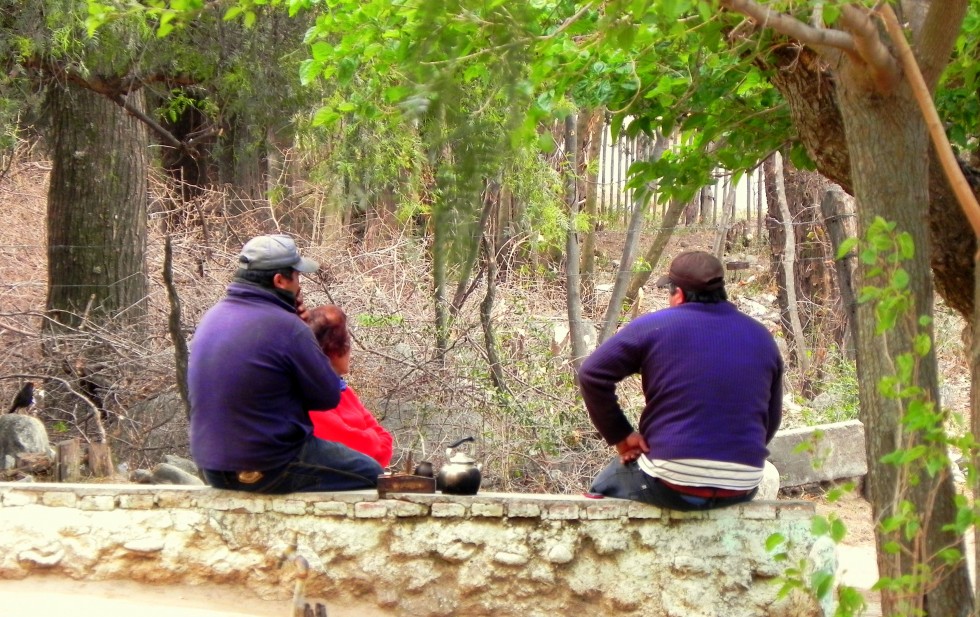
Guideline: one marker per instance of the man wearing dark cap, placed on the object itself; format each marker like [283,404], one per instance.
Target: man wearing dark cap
[255,372]
[712,381]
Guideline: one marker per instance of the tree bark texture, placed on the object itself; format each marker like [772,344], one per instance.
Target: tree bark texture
[814,282]
[242,166]
[838,216]
[97,208]
[886,140]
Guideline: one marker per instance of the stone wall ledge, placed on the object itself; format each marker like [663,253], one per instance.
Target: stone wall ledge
[366,504]
[419,555]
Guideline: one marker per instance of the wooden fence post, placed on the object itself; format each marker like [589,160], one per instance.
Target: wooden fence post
[99,460]
[69,460]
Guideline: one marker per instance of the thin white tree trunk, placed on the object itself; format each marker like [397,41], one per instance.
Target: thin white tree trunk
[576,331]
[789,266]
[727,208]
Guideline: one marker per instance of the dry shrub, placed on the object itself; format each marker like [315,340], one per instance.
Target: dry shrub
[534,437]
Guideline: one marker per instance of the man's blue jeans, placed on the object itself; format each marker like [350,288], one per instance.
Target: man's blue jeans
[320,466]
[630,482]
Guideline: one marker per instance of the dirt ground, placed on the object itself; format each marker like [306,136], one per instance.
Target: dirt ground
[50,596]
[857,564]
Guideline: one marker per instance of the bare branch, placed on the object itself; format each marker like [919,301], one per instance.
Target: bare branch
[164,134]
[936,38]
[884,69]
[792,27]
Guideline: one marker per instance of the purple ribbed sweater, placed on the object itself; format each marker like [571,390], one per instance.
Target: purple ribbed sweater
[711,377]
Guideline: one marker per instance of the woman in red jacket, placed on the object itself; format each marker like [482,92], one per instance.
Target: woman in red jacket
[349,423]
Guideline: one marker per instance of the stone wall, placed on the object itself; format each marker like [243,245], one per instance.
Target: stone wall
[420,555]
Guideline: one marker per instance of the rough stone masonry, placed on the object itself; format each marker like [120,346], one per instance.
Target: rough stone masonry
[507,555]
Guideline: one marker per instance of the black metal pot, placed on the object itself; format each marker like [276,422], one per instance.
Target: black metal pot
[461,475]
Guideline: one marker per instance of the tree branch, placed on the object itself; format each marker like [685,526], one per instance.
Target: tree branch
[964,194]
[166,135]
[116,89]
[936,38]
[792,27]
[884,69]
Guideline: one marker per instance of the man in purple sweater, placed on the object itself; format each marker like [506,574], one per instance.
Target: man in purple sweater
[254,374]
[712,381]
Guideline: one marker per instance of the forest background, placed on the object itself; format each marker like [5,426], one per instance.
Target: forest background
[443,163]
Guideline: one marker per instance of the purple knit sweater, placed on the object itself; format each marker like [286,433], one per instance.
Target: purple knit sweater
[255,372]
[711,377]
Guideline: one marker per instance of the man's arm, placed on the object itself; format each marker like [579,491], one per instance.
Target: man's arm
[317,380]
[775,403]
[610,363]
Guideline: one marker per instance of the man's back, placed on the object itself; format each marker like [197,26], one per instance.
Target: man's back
[255,371]
[711,380]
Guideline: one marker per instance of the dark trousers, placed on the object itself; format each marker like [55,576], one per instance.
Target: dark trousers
[630,482]
[320,466]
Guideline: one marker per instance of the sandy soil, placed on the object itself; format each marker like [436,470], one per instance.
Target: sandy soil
[857,562]
[52,596]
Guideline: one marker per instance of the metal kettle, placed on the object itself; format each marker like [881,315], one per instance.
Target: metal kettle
[461,475]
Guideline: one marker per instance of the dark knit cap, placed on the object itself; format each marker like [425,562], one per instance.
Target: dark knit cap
[694,271]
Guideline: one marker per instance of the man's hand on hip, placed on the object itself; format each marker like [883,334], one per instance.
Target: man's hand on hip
[632,447]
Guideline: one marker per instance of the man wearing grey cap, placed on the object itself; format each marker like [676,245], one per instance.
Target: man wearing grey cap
[255,372]
[712,382]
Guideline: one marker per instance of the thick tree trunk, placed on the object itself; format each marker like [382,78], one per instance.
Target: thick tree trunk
[886,139]
[808,85]
[242,168]
[97,203]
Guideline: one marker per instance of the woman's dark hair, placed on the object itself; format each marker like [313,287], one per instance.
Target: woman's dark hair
[701,297]
[329,325]
[263,278]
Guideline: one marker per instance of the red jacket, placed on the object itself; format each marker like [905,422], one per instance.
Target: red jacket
[352,425]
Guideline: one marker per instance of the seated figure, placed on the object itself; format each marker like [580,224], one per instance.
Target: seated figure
[255,372]
[349,423]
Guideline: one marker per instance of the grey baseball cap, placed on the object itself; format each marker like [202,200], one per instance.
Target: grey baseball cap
[274,252]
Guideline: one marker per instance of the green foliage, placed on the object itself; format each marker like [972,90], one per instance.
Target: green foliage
[375,321]
[956,97]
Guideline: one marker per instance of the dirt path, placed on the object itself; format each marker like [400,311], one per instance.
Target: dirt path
[43,596]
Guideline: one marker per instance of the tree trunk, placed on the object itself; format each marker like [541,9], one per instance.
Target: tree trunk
[727,211]
[838,217]
[572,286]
[621,286]
[464,286]
[486,314]
[887,142]
[97,209]
[590,126]
[974,355]
[809,85]
[656,250]
[242,167]
[789,268]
